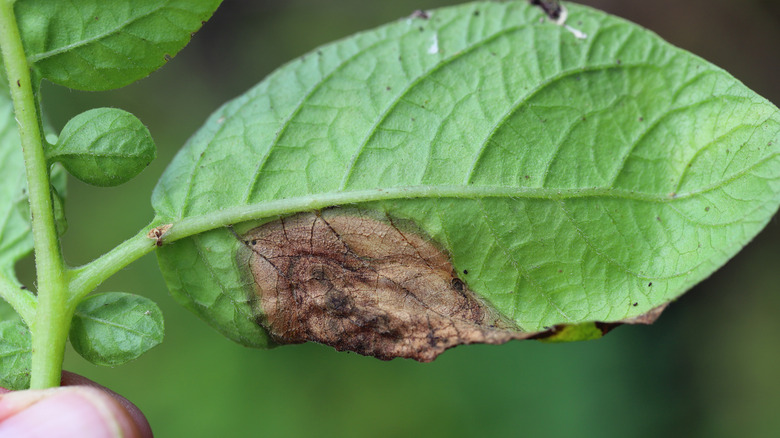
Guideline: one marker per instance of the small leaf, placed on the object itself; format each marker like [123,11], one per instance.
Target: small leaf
[99,45]
[104,147]
[113,328]
[571,180]
[15,355]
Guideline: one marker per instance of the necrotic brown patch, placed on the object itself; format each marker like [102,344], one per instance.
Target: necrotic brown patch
[360,284]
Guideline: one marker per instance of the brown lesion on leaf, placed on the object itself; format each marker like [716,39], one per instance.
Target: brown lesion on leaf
[363,284]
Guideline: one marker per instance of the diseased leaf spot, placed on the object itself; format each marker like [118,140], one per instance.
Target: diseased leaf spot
[362,284]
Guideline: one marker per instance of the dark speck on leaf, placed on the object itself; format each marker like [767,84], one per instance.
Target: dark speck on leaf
[465,272]
[527,177]
[421,29]
[476,13]
[387,88]
[649,284]
[619,62]
[641,119]
[636,304]
[658,218]
[18,83]
[420,14]
[560,271]
[97,18]
[706,209]
[167,57]
[458,285]
[550,7]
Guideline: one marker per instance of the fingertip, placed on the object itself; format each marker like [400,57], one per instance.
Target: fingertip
[81,411]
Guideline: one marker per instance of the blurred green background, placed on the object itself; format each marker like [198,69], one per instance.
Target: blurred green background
[709,367]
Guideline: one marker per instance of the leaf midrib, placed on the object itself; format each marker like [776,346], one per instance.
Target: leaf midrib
[113,324]
[186,226]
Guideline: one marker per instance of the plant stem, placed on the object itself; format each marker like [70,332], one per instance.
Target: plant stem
[86,278]
[52,319]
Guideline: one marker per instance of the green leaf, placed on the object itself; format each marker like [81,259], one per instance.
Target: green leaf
[113,328]
[104,147]
[15,355]
[99,45]
[574,180]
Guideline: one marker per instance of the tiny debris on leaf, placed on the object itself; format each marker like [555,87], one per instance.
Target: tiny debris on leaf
[157,233]
[419,13]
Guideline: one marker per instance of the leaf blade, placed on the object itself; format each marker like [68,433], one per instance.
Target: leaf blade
[97,46]
[585,167]
[15,355]
[114,328]
[104,147]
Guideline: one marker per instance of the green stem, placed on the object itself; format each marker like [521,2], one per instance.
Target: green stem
[52,320]
[86,278]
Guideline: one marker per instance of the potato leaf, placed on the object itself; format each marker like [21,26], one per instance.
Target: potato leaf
[570,179]
[113,328]
[104,147]
[15,355]
[101,45]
